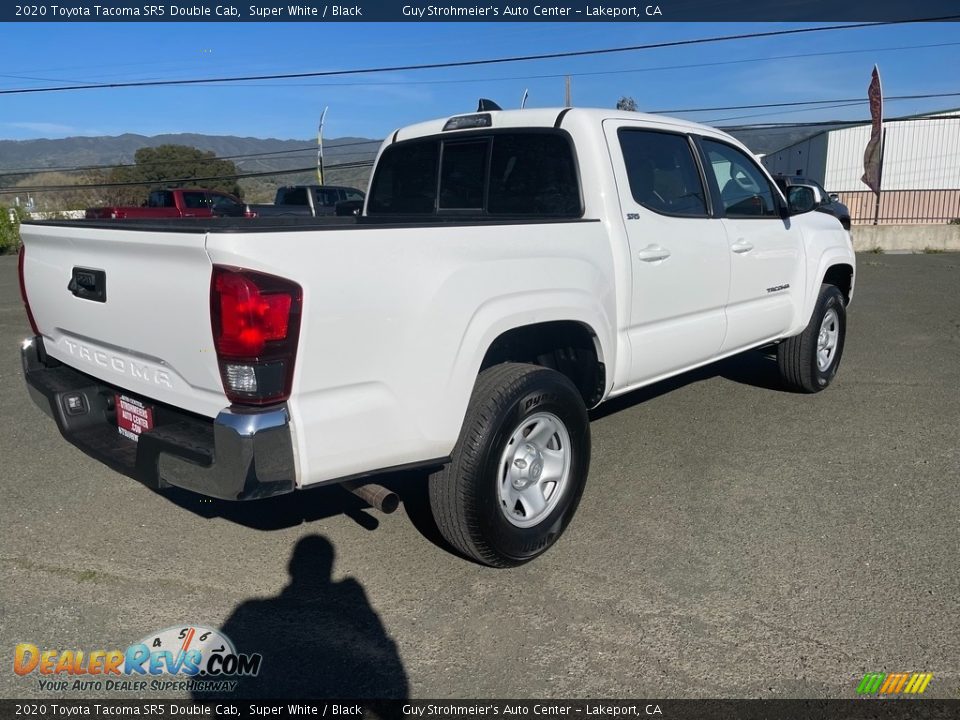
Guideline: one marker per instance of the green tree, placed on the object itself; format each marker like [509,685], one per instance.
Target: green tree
[627,103]
[159,166]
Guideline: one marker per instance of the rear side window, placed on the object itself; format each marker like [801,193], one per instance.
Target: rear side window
[406,180]
[509,173]
[160,199]
[662,172]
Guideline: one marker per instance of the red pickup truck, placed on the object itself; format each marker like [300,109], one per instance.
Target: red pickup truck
[177,203]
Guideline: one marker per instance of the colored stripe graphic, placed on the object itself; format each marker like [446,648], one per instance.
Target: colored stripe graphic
[894,683]
[870,683]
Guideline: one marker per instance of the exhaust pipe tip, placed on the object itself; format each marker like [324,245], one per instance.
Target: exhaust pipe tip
[377,496]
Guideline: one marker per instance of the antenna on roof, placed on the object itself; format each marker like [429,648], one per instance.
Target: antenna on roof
[485,105]
[523,100]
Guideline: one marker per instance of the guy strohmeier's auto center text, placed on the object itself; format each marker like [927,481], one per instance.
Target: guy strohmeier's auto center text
[306,11]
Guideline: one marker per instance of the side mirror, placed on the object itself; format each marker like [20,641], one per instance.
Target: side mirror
[834,197]
[801,199]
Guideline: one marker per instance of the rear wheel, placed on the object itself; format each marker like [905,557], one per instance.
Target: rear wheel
[809,361]
[518,469]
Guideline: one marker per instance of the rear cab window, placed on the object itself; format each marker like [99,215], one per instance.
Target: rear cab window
[326,197]
[292,196]
[529,173]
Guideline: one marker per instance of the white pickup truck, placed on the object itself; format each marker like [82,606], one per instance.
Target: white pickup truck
[511,269]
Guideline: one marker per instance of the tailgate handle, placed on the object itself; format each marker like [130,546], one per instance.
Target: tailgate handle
[88,284]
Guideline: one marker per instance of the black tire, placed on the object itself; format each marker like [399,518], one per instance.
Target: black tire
[465,495]
[797,356]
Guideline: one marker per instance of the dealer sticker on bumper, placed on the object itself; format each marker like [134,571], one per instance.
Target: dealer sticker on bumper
[133,417]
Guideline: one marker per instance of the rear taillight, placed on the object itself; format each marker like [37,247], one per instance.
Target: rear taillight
[256,326]
[23,290]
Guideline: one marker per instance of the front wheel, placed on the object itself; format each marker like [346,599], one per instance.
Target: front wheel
[809,361]
[519,467]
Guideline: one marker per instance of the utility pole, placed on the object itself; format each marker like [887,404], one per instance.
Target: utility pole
[567,99]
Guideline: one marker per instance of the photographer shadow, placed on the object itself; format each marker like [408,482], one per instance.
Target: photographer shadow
[318,638]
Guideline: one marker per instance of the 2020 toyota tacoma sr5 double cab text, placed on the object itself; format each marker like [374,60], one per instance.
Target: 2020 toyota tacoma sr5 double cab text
[510,270]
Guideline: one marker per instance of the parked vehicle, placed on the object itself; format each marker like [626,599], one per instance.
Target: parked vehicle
[828,203]
[309,200]
[512,269]
[175,203]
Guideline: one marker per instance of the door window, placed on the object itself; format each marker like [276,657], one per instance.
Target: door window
[662,172]
[745,191]
[194,200]
[225,205]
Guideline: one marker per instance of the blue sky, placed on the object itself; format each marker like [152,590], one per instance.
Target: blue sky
[373,105]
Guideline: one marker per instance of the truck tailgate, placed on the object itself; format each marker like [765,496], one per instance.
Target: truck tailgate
[150,334]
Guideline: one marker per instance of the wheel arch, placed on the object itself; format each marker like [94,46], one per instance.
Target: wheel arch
[570,347]
[840,275]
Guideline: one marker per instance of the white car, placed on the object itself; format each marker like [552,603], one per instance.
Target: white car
[511,269]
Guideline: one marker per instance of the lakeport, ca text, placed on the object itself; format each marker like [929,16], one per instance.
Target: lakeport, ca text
[307,11]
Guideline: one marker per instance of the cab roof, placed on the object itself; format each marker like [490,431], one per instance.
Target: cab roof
[548,118]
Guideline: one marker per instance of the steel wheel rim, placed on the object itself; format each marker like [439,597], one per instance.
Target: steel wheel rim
[828,339]
[534,469]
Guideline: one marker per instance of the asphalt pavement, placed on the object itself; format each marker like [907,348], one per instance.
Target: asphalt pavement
[734,540]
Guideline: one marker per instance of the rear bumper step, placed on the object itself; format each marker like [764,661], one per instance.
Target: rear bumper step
[240,455]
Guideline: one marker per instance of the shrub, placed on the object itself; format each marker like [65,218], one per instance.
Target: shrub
[10,229]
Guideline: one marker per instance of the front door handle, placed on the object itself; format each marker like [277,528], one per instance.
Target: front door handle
[742,246]
[653,253]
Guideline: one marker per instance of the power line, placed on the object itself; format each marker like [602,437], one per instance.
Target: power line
[11,172]
[553,76]
[803,102]
[474,63]
[819,105]
[839,123]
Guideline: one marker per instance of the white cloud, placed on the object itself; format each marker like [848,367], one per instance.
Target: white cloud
[44,127]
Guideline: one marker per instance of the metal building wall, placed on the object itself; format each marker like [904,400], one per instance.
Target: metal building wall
[918,155]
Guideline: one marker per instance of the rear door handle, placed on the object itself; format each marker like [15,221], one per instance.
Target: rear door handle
[653,253]
[742,246]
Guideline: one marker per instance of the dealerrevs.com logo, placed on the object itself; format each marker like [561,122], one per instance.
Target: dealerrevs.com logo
[191,658]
